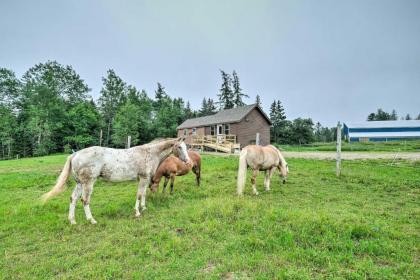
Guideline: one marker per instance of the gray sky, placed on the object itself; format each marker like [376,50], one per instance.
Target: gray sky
[328,60]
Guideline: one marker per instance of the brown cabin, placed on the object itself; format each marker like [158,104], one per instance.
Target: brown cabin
[227,130]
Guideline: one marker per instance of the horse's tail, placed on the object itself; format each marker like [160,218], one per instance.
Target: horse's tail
[242,171]
[61,181]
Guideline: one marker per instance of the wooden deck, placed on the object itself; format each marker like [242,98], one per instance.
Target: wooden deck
[219,143]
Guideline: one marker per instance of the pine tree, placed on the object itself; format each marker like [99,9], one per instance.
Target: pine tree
[160,96]
[203,110]
[280,111]
[211,107]
[418,117]
[113,95]
[408,117]
[237,91]
[258,100]
[394,115]
[226,98]
[189,113]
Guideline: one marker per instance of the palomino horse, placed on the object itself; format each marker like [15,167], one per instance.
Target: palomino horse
[114,165]
[260,158]
[172,167]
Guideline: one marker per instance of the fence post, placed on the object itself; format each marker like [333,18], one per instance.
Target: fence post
[100,138]
[128,141]
[338,164]
[257,139]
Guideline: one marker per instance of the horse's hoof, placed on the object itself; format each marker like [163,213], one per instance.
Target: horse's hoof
[256,193]
[143,208]
[137,215]
[93,222]
[73,222]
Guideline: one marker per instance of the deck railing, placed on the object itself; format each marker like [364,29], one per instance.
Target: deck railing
[223,139]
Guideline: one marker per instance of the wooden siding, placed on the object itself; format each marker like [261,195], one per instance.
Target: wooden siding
[199,132]
[247,129]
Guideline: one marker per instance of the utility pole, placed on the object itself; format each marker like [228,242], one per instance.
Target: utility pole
[338,164]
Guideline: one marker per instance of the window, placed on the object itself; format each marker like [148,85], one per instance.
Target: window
[185,132]
[227,129]
[212,130]
[219,129]
[194,131]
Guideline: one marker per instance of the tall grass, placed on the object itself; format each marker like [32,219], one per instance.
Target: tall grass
[364,225]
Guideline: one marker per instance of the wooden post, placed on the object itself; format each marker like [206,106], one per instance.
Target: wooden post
[338,164]
[257,139]
[128,141]
[100,138]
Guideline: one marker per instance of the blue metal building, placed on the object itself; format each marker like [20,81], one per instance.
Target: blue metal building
[382,130]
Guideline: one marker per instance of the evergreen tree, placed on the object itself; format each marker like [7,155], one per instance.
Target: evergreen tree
[113,95]
[226,97]
[408,117]
[418,117]
[207,107]
[160,96]
[203,110]
[258,101]
[394,115]
[280,111]
[125,124]
[189,113]
[237,91]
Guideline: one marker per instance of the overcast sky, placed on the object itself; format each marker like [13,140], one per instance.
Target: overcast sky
[328,60]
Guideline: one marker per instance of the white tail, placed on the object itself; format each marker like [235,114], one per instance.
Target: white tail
[61,181]
[242,171]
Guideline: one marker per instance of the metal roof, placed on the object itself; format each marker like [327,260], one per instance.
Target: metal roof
[226,116]
[384,124]
[384,134]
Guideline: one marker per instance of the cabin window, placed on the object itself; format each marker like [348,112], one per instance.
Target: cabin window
[212,130]
[227,129]
[219,129]
[194,131]
[185,132]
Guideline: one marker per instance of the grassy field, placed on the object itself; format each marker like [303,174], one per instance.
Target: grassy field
[364,225]
[392,146]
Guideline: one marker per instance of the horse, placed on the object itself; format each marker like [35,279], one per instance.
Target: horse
[114,165]
[260,158]
[172,167]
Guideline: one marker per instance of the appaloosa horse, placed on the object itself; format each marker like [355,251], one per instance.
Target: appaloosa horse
[260,158]
[172,167]
[137,163]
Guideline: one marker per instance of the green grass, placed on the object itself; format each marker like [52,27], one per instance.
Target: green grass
[391,146]
[364,225]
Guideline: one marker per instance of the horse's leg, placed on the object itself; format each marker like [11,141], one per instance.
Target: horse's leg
[141,196]
[254,181]
[267,178]
[77,192]
[165,184]
[86,193]
[172,183]
[197,174]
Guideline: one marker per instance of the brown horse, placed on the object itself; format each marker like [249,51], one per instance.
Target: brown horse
[173,166]
[267,158]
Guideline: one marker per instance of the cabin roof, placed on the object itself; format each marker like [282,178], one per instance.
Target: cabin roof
[225,116]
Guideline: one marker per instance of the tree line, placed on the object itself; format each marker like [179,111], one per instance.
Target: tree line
[49,110]
[382,115]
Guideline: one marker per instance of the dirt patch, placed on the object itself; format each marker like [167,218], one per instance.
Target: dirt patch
[353,155]
[344,155]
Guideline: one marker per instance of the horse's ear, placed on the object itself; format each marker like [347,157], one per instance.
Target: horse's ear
[181,139]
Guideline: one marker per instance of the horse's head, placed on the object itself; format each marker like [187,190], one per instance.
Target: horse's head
[180,150]
[284,170]
[154,185]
